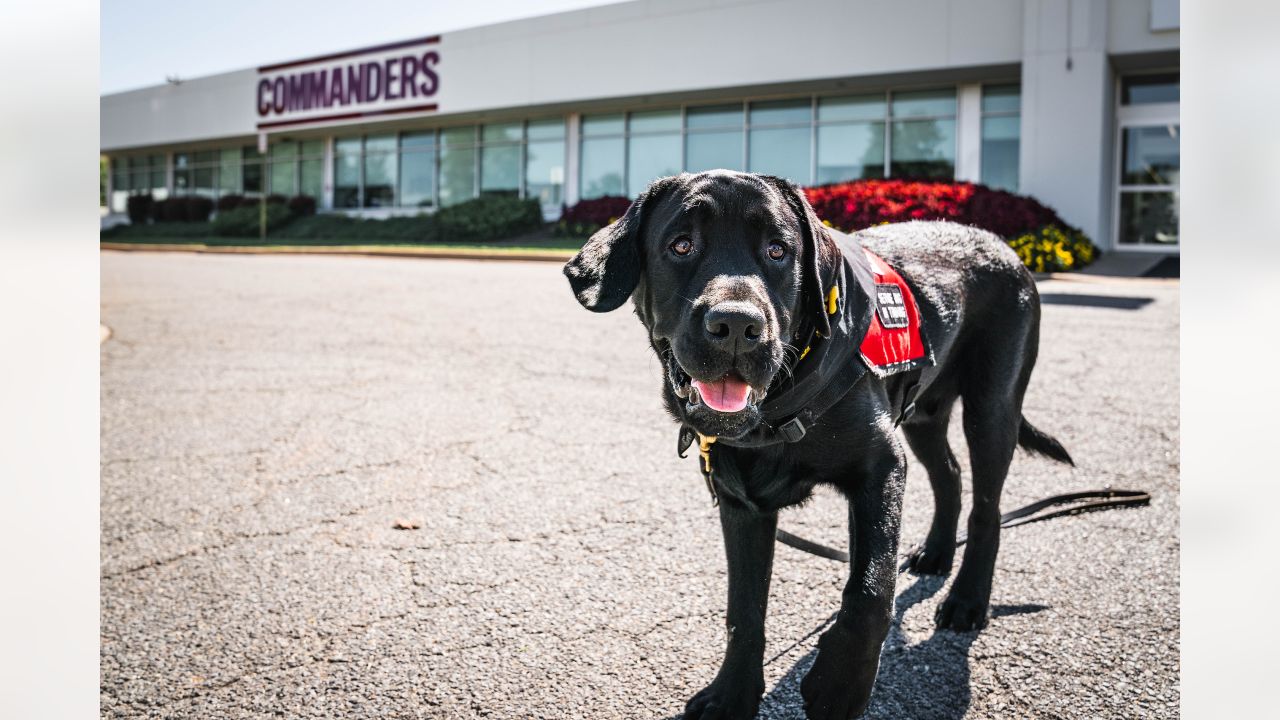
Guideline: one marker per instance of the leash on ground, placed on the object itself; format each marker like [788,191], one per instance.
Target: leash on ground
[1076,503]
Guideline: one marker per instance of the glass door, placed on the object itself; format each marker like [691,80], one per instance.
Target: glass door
[1147,163]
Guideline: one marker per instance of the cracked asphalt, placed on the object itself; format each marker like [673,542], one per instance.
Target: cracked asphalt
[268,420]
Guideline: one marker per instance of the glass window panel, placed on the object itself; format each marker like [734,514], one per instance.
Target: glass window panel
[1000,152]
[457,173]
[713,151]
[1150,156]
[203,179]
[418,141]
[380,144]
[312,170]
[552,129]
[159,181]
[346,177]
[1145,89]
[312,148]
[781,112]
[602,124]
[282,157]
[380,175]
[251,153]
[850,152]
[458,136]
[924,103]
[780,151]
[544,171]
[602,161]
[650,157]
[1149,218]
[181,161]
[229,171]
[923,149]
[503,132]
[655,121]
[1001,98]
[500,170]
[347,146]
[853,107]
[206,158]
[252,177]
[714,116]
[417,173]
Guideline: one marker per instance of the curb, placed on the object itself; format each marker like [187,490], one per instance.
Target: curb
[358,250]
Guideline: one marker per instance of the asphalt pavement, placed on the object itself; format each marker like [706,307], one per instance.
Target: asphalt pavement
[269,421]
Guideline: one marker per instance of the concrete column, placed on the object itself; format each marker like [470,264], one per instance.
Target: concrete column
[573,158]
[1067,92]
[969,133]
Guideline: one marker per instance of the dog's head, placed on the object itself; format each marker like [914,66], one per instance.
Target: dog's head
[727,271]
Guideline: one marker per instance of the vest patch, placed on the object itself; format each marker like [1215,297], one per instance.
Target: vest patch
[894,342]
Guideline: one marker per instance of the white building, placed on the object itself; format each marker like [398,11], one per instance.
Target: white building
[1072,101]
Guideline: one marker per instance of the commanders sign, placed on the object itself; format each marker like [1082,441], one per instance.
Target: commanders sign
[388,79]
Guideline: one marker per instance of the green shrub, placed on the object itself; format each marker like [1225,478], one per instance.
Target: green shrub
[1054,249]
[159,231]
[244,221]
[488,218]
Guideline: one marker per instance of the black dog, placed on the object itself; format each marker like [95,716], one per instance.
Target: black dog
[731,273]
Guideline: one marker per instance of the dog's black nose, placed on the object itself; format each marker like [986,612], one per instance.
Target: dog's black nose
[735,324]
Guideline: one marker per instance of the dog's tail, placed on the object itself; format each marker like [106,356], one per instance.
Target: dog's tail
[1033,440]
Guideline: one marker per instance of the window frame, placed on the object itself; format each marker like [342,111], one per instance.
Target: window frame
[1134,116]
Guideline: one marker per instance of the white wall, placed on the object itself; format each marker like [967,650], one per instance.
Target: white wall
[629,50]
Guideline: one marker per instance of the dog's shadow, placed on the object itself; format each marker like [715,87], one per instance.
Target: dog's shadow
[928,680]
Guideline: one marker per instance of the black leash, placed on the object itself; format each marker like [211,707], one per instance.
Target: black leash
[1076,502]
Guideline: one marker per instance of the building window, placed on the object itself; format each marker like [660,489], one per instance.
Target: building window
[1149,163]
[418,169]
[923,136]
[654,147]
[252,173]
[851,138]
[204,174]
[1001,130]
[458,154]
[380,173]
[229,172]
[427,168]
[779,137]
[500,159]
[603,157]
[714,138]
[346,172]
[311,169]
[544,162]
[283,160]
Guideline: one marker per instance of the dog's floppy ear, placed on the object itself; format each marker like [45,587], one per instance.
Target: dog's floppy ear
[607,269]
[819,258]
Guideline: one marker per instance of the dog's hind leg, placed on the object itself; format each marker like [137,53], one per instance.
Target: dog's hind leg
[928,441]
[992,395]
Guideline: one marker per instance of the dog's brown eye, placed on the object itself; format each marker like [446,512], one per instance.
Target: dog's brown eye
[682,246]
[777,251]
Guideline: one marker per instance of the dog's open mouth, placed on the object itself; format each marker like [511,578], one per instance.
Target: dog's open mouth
[729,394]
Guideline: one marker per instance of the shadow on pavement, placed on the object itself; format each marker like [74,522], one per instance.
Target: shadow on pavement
[928,680]
[1115,302]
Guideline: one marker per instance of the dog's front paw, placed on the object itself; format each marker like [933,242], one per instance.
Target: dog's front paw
[726,698]
[961,612]
[931,559]
[838,686]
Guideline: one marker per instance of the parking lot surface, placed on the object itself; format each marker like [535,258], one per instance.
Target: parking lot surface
[271,424]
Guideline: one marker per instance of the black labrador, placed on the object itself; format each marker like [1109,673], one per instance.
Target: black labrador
[729,273]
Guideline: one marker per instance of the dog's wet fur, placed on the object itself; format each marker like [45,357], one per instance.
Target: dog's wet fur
[730,304]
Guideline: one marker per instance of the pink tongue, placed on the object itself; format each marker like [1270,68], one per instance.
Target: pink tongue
[728,394]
